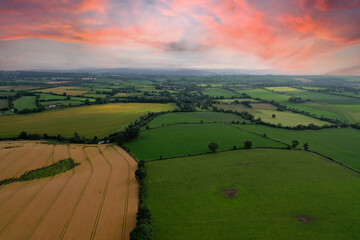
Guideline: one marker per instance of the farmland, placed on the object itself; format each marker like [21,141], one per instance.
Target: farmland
[25,102]
[73,91]
[88,121]
[194,117]
[179,140]
[329,142]
[220,92]
[95,200]
[282,194]
[4,103]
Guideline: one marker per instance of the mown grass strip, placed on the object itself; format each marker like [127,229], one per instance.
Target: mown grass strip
[48,171]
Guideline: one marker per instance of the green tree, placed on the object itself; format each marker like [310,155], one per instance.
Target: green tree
[87,101]
[143,214]
[306,146]
[295,143]
[213,147]
[273,116]
[140,173]
[142,232]
[247,144]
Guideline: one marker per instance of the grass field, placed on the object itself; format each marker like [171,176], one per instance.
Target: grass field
[95,200]
[47,97]
[61,102]
[7,94]
[275,189]
[219,92]
[25,102]
[194,117]
[94,95]
[284,89]
[236,99]
[285,118]
[4,103]
[179,140]
[89,121]
[340,144]
[68,90]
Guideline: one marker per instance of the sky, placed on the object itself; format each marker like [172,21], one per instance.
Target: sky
[286,36]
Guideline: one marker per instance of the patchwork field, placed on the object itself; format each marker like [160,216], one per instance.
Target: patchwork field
[95,200]
[180,140]
[266,112]
[89,121]
[253,194]
[73,91]
[219,92]
[340,144]
[25,102]
[194,117]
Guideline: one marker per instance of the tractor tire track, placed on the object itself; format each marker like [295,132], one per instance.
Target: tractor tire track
[62,234]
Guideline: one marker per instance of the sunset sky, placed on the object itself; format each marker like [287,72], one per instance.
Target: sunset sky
[289,36]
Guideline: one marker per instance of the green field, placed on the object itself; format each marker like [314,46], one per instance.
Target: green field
[47,97]
[275,188]
[219,92]
[236,99]
[4,103]
[25,102]
[285,118]
[194,117]
[94,95]
[88,121]
[180,140]
[61,102]
[341,144]
[7,94]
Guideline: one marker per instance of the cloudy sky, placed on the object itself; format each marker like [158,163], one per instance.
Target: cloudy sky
[290,36]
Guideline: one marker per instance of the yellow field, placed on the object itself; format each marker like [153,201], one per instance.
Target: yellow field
[96,200]
[88,121]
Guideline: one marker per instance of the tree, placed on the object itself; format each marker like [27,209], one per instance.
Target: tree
[142,232]
[87,102]
[273,116]
[213,146]
[23,135]
[147,127]
[144,213]
[247,144]
[306,146]
[295,143]
[140,173]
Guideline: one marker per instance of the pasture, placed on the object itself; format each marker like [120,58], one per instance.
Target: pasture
[184,139]
[88,121]
[340,144]
[25,102]
[280,194]
[50,97]
[73,91]
[266,112]
[95,200]
[4,103]
[219,92]
[194,117]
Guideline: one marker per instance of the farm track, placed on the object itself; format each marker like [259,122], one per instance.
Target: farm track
[39,221]
[93,232]
[123,229]
[80,196]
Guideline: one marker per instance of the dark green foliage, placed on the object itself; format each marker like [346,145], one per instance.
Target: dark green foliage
[213,146]
[295,143]
[144,214]
[52,170]
[142,232]
[306,146]
[140,173]
[247,144]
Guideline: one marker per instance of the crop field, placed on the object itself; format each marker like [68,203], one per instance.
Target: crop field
[340,144]
[194,117]
[253,194]
[184,139]
[266,112]
[25,102]
[88,121]
[4,103]
[95,200]
[219,92]
[94,95]
[73,91]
